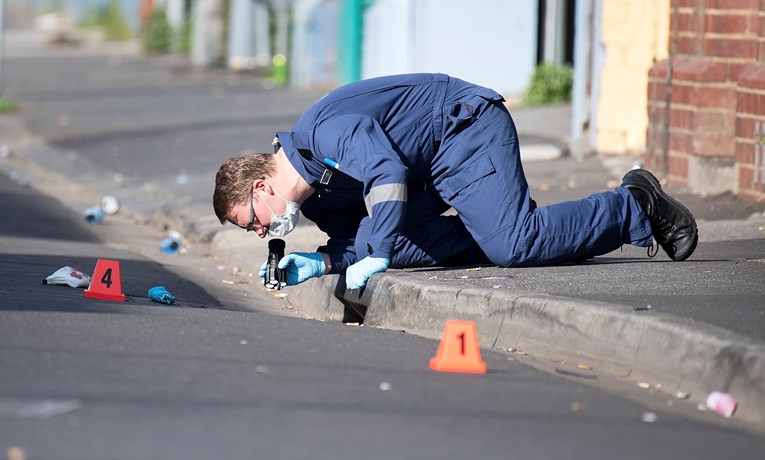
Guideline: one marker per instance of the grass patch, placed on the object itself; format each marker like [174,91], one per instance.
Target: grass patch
[550,84]
[8,105]
[158,36]
[110,19]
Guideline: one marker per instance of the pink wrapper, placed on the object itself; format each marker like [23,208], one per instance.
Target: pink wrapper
[722,403]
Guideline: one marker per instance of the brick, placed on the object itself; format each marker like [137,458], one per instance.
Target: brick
[744,153]
[687,46]
[650,133]
[727,23]
[658,78]
[683,119]
[733,4]
[713,122]
[679,142]
[714,145]
[658,69]
[657,91]
[745,178]
[746,127]
[682,22]
[716,97]
[654,112]
[753,76]
[758,100]
[658,81]
[743,128]
[735,70]
[683,94]
[678,166]
[695,69]
[683,3]
[698,20]
[656,115]
[656,104]
[745,48]
[746,103]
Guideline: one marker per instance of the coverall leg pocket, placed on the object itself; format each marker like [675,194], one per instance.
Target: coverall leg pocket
[490,200]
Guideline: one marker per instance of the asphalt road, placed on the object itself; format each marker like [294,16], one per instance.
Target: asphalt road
[146,381]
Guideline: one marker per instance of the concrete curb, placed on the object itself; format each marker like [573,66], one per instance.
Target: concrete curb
[637,345]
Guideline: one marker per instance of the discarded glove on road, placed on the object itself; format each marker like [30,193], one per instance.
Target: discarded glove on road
[160,295]
[68,276]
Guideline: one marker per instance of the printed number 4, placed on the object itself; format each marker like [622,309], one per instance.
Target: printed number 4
[107,280]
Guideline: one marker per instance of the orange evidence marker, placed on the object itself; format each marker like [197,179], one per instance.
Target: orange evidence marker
[106,283]
[458,350]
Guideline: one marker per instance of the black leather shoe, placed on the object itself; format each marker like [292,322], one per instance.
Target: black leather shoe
[673,225]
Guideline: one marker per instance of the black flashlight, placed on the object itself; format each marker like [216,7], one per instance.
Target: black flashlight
[275,278]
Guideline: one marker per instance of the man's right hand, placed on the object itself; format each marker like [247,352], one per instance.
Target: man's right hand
[300,267]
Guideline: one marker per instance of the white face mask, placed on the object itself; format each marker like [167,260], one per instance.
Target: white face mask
[282,224]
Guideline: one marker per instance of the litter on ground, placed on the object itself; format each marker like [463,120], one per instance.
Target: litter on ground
[68,276]
[161,295]
[722,403]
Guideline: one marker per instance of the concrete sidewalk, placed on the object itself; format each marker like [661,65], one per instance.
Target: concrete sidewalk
[702,332]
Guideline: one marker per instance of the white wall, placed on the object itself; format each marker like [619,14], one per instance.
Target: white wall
[314,43]
[489,42]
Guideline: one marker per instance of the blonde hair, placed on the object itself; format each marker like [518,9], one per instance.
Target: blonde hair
[233,182]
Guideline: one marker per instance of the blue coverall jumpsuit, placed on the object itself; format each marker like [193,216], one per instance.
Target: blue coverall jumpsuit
[387,156]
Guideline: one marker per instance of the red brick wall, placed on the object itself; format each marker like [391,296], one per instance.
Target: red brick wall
[717,93]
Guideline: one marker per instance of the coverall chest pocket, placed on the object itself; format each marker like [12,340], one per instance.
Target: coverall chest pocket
[474,168]
[458,117]
[463,114]
[493,112]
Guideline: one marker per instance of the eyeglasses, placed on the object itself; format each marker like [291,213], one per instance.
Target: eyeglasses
[252,226]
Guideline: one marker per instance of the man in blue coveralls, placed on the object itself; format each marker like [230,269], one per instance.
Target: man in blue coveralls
[375,164]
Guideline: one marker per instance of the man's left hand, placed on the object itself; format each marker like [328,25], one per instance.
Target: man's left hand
[357,275]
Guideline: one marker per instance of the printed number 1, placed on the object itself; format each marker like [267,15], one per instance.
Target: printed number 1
[462,342]
[107,279]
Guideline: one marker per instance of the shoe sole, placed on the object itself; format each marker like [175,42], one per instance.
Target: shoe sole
[657,187]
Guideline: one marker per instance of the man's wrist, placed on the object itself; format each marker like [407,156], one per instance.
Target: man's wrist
[327,265]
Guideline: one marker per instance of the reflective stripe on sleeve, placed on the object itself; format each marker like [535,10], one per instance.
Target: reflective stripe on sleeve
[387,192]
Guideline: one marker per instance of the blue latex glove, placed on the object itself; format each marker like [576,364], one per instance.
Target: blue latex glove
[356,275]
[161,295]
[300,267]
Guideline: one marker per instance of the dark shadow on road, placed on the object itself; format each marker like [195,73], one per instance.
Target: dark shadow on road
[29,214]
